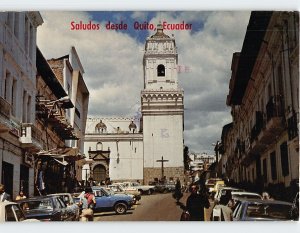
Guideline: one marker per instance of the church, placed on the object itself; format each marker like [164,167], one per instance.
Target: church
[148,147]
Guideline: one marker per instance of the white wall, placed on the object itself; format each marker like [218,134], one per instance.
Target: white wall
[163,136]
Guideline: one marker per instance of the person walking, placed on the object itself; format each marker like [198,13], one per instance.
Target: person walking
[87,202]
[177,193]
[3,195]
[196,203]
[222,212]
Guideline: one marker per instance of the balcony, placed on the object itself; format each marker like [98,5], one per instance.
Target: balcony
[5,109]
[53,113]
[292,126]
[31,137]
[274,121]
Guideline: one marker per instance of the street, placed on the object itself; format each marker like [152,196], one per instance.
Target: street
[156,207]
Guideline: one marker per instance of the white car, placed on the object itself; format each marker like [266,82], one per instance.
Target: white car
[245,195]
[149,189]
[225,189]
[11,212]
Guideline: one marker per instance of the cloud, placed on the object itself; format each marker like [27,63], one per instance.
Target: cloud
[113,64]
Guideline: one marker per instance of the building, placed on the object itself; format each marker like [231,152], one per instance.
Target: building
[262,146]
[116,147]
[199,164]
[149,148]
[55,159]
[17,98]
[69,72]
[162,109]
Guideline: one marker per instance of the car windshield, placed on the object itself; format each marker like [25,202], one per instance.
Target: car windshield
[271,211]
[44,204]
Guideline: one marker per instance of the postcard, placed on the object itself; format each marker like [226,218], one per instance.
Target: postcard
[149,116]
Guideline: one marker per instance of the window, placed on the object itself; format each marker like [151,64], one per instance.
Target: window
[160,70]
[16,24]
[13,97]
[284,159]
[265,175]
[26,41]
[10,216]
[24,115]
[29,109]
[6,83]
[99,146]
[273,165]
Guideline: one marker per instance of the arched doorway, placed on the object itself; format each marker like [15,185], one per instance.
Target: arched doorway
[99,173]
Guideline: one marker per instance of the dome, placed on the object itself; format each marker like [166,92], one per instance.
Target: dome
[160,32]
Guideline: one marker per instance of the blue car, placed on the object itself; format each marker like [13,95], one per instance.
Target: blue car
[108,201]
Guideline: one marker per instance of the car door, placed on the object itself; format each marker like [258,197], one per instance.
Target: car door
[13,213]
[103,199]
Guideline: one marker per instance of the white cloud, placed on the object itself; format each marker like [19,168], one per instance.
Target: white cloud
[113,65]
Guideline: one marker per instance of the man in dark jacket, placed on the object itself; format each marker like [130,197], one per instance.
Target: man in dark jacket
[196,203]
[3,195]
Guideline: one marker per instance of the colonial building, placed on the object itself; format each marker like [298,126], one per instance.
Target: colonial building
[69,72]
[116,147]
[17,99]
[137,148]
[55,159]
[262,146]
[162,108]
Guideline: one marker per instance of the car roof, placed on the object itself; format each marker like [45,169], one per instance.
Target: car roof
[36,198]
[245,193]
[253,200]
[5,203]
[58,194]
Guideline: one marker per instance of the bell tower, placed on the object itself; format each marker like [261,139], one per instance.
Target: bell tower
[162,109]
[160,62]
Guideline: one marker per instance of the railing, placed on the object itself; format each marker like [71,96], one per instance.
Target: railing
[259,124]
[5,108]
[36,134]
[292,126]
[274,107]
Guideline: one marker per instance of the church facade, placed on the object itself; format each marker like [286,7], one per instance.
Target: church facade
[149,148]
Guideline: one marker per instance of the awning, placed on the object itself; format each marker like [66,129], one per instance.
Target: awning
[62,153]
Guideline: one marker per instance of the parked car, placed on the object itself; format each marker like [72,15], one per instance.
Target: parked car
[148,189]
[224,190]
[262,210]
[45,208]
[108,201]
[212,184]
[11,212]
[244,195]
[72,208]
[119,188]
[164,188]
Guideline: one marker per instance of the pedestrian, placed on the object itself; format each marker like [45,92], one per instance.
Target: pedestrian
[20,196]
[196,203]
[222,212]
[87,202]
[177,193]
[266,196]
[3,195]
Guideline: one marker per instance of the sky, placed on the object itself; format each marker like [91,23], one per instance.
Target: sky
[112,61]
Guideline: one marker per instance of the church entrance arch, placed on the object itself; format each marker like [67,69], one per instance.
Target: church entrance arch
[99,173]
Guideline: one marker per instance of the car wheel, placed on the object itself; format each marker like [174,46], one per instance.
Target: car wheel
[120,208]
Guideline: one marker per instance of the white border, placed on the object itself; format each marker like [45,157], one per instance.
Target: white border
[155,5]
